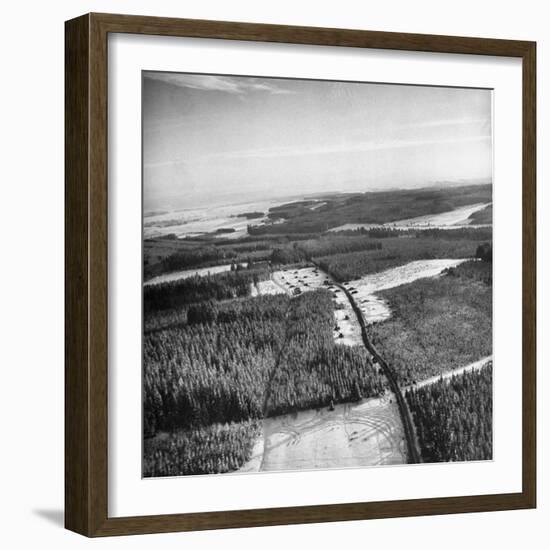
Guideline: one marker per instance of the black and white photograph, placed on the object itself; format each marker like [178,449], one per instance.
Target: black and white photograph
[317,274]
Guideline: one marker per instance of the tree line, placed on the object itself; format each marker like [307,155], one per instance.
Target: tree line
[395,251]
[203,255]
[300,251]
[218,286]
[386,232]
[454,417]
[215,449]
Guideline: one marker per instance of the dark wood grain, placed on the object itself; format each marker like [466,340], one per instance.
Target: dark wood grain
[529,276]
[164,26]
[77,459]
[86,279]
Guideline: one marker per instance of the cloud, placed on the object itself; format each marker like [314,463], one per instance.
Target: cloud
[232,85]
[447,122]
[163,163]
[358,147]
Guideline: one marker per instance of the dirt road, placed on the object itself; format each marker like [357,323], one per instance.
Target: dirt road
[368,433]
[413,455]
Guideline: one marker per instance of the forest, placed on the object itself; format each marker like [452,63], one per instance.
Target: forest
[241,360]
[437,324]
[356,253]
[305,250]
[304,236]
[164,254]
[454,417]
[371,207]
[215,449]
[217,359]
[395,251]
[219,286]
[312,370]
[483,216]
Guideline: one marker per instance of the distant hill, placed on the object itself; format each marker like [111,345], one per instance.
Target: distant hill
[376,207]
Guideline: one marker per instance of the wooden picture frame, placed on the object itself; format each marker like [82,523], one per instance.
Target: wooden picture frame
[86,317]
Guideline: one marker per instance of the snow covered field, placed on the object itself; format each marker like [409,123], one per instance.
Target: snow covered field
[295,281]
[198,221]
[186,273]
[367,433]
[458,216]
[454,219]
[264,288]
[364,290]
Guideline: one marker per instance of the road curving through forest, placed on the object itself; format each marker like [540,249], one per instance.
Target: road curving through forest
[413,455]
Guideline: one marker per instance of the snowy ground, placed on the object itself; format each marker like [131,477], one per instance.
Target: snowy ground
[454,219]
[264,288]
[199,221]
[476,365]
[458,216]
[348,330]
[186,273]
[255,462]
[303,279]
[375,309]
[367,433]
[364,290]
[295,281]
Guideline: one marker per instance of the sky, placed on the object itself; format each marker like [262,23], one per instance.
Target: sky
[214,139]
